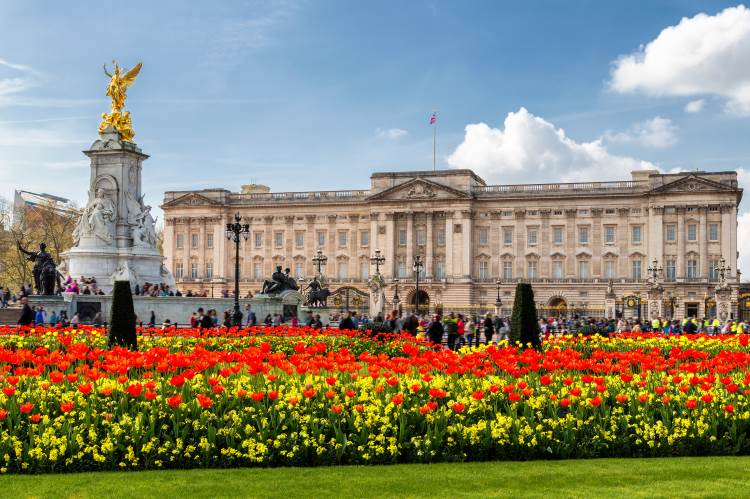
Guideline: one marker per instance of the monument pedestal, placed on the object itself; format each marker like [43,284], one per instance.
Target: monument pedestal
[654,297]
[115,235]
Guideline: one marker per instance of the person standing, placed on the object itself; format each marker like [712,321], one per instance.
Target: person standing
[41,316]
[451,327]
[347,323]
[27,315]
[435,331]
[489,328]
[152,320]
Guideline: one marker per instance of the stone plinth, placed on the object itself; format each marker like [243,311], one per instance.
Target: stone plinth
[115,234]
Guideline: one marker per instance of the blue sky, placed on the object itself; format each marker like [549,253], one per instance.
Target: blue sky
[304,95]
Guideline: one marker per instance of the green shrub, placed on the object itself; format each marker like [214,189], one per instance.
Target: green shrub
[523,322]
[122,320]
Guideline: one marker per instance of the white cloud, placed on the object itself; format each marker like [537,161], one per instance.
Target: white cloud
[695,106]
[531,149]
[391,133]
[657,132]
[701,55]
[48,136]
[17,82]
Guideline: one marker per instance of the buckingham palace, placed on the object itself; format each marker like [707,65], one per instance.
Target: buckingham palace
[579,244]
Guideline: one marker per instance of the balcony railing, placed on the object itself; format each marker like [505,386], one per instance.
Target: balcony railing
[560,187]
[298,197]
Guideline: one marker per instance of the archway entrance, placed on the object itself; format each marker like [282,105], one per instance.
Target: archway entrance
[424,301]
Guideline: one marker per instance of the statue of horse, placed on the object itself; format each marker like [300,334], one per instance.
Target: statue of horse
[318,298]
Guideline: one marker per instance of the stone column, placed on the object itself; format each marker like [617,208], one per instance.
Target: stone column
[703,238]
[309,246]
[597,243]
[656,234]
[267,247]
[728,225]
[389,249]
[680,263]
[449,244]
[623,243]
[202,248]
[467,231]
[571,240]
[428,245]
[545,245]
[186,243]
[409,239]
[221,244]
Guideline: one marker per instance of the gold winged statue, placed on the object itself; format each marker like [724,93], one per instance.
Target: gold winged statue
[119,82]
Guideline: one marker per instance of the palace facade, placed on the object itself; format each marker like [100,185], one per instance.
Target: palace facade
[570,240]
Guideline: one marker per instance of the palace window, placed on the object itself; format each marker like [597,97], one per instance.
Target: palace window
[670,233]
[402,237]
[440,237]
[635,211]
[531,269]
[583,235]
[531,238]
[483,237]
[440,269]
[635,234]
[557,235]
[364,270]
[258,271]
[557,269]
[180,242]
[421,237]
[343,238]
[402,269]
[670,270]
[636,269]
[178,270]
[532,213]
[507,213]
[343,270]
[299,269]
[557,212]
[610,269]
[299,239]
[364,238]
[321,238]
[609,234]
[713,208]
[484,271]
[209,270]
[194,271]
[692,269]
[583,269]
[209,241]
[194,241]
[507,270]
[278,239]
[713,232]
[507,236]
[583,212]
[609,211]
[258,236]
[692,232]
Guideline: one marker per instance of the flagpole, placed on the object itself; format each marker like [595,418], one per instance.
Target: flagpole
[434,146]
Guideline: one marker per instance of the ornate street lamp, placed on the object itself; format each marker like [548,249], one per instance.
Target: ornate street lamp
[396,299]
[498,301]
[234,231]
[319,260]
[655,270]
[377,260]
[417,270]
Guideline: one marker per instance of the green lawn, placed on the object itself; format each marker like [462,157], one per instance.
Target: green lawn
[677,477]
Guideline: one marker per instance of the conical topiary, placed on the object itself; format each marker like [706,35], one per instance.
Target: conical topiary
[523,321]
[122,318]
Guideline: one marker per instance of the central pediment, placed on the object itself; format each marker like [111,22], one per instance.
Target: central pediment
[419,189]
[191,199]
[693,183]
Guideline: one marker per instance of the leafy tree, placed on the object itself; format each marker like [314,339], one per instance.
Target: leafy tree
[122,320]
[523,321]
[30,225]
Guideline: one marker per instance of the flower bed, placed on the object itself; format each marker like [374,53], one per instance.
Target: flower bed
[281,396]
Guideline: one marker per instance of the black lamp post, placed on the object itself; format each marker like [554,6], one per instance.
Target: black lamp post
[377,260]
[498,301]
[319,260]
[396,299]
[234,231]
[417,270]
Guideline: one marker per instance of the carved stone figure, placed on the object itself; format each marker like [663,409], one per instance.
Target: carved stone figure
[98,219]
[144,233]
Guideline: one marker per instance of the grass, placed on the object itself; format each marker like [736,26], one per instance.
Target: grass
[671,477]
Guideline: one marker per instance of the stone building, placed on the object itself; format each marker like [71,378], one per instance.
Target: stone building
[476,240]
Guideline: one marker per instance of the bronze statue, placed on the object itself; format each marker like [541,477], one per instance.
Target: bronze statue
[45,273]
[318,295]
[119,82]
[279,282]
